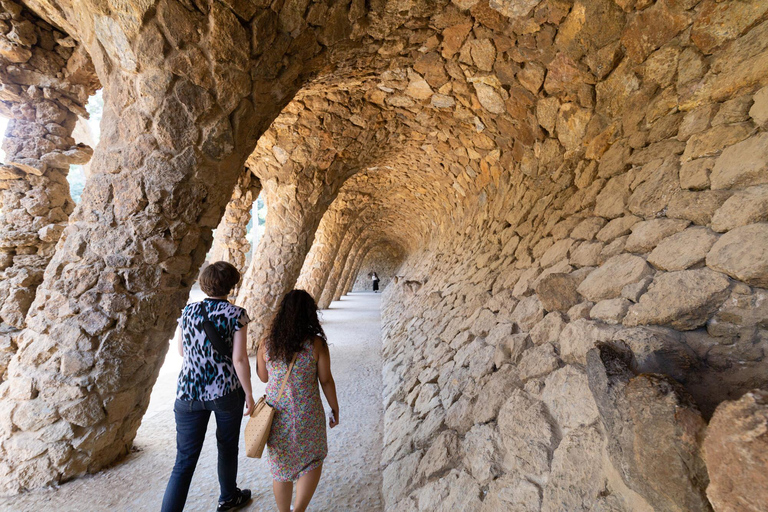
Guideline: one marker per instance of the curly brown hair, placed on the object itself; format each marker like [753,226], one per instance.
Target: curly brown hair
[295,323]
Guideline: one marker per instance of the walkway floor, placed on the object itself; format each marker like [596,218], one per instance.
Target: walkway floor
[352,473]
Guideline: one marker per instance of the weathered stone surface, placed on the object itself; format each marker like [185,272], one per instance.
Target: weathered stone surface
[528,313]
[659,350]
[398,477]
[557,292]
[697,207]
[736,453]
[497,147]
[652,428]
[759,110]
[610,311]
[617,228]
[512,493]
[608,280]
[513,9]
[548,330]
[740,312]
[494,392]
[646,235]
[694,175]
[742,164]
[743,207]
[683,300]
[566,393]
[716,24]
[683,250]
[741,254]
[440,456]
[660,182]
[575,481]
[481,453]
[538,361]
[526,433]
[580,336]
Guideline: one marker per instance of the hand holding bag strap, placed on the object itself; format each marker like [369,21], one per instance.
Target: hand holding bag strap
[285,379]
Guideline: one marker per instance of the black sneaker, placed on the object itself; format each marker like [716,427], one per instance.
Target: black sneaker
[242,498]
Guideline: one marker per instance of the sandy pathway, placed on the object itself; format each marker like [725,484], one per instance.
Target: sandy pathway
[352,475]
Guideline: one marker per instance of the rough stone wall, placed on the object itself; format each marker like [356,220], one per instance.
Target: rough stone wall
[638,218]
[46,79]
[188,89]
[384,260]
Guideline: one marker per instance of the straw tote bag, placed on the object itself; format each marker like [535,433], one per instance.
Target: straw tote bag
[260,423]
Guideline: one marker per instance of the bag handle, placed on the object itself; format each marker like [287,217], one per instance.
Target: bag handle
[285,379]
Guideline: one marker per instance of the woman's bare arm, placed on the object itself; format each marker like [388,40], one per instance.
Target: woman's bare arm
[325,377]
[243,367]
[261,363]
[180,341]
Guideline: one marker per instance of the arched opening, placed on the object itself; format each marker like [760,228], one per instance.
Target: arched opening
[567,197]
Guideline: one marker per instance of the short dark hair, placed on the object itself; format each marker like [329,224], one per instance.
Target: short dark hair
[218,279]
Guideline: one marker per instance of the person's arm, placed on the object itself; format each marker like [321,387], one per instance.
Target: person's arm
[180,341]
[243,367]
[326,380]
[261,363]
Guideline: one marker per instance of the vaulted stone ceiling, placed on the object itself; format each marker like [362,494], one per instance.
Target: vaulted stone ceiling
[557,174]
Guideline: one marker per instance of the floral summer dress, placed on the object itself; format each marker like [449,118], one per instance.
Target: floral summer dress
[297,443]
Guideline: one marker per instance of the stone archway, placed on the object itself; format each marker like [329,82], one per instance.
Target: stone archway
[577,189]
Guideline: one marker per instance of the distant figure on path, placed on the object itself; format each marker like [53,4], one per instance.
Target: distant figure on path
[211,382]
[297,443]
[375,279]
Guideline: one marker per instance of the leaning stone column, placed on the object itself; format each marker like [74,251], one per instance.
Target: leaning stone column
[319,263]
[350,270]
[45,81]
[229,242]
[292,219]
[358,265]
[339,264]
[178,125]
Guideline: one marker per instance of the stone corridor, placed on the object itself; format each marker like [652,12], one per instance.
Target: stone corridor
[352,474]
[567,200]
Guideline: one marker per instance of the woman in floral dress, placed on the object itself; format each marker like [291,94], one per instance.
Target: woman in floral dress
[297,443]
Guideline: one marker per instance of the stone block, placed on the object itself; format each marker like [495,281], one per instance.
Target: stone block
[538,361]
[664,467]
[482,453]
[527,435]
[557,292]
[607,281]
[646,235]
[697,207]
[744,207]
[566,393]
[683,250]
[548,330]
[683,300]
[610,311]
[580,336]
[742,165]
[759,110]
[741,254]
[736,453]
[528,313]
[694,175]
[576,480]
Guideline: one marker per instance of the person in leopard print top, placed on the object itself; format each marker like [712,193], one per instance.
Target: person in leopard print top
[211,381]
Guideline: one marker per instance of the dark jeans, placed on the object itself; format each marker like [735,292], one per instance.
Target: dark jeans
[191,423]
